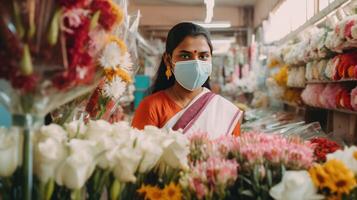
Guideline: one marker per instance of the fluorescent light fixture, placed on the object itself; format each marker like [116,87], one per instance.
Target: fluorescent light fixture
[223,41]
[214,24]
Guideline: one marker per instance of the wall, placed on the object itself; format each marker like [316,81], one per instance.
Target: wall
[167,16]
[262,9]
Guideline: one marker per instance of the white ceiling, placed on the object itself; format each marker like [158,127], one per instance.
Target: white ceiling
[197,2]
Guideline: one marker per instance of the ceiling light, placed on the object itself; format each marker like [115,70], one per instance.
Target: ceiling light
[214,24]
[223,41]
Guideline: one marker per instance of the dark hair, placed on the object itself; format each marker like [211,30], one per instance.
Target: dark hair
[175,36]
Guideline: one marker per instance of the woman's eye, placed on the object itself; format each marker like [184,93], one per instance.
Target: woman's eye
[204,57]
[185,56]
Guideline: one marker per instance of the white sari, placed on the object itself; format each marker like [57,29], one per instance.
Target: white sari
[218,117]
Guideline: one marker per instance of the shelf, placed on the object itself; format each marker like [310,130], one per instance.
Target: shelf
[293,104]
[297,87]
[337,110]
[331,81]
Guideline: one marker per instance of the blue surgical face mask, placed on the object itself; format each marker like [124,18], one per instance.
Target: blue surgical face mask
[192,74]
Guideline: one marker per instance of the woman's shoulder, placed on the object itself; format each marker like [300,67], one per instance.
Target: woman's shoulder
[226,102]
[154,99]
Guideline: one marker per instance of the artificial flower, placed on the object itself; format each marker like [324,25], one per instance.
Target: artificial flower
[115,88]
[10,153]
[295,185]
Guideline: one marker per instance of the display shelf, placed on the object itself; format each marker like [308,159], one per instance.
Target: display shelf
[297,87]
[337,110]
[331,81]
[293,104]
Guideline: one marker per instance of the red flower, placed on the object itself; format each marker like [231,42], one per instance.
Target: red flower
[25,84]
[108,16]
[81,65]
[73,3]
[348,29]
[323,147]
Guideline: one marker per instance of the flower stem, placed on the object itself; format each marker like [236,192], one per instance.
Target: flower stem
[27,164]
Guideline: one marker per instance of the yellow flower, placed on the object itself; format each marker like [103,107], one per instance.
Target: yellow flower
[117,11]
[282,76]
[119,42]
[172,192]
[319,176]
[333,175]
[151,193]
[342,178]
[110,73]
[334,197]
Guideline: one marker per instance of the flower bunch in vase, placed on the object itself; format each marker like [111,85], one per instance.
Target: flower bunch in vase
[49,53]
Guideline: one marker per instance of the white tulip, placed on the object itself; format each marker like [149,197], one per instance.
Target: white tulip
[348,156]
[176,150]
[48,156]
[126,164]
[104,146]
[98,129]
[10,156]
[121,127]
[295,185]
[79,166]
[53,131]
[151,150]
[76,128]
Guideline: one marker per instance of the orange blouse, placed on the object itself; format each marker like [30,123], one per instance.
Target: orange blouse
[157,109]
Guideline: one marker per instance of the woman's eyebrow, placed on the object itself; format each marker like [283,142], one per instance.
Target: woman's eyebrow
[201,52]
[185,51]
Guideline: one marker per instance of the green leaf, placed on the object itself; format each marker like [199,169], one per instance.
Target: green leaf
[270,178]
[26,62]
[115,190]
[50,186]
[94,20]
[53,32]
[248,193]
[18,23]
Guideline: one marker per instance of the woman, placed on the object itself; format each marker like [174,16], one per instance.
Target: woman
[181,97]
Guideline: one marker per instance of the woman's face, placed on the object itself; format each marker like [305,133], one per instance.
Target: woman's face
[192,48]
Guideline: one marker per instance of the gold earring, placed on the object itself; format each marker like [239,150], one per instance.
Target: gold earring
[168,73]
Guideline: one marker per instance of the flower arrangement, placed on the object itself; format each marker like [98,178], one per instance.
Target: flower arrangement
[81,160]
[333,179]
[323,146]
[243,167]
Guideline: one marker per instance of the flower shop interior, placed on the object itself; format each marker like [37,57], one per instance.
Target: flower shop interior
[178,99]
